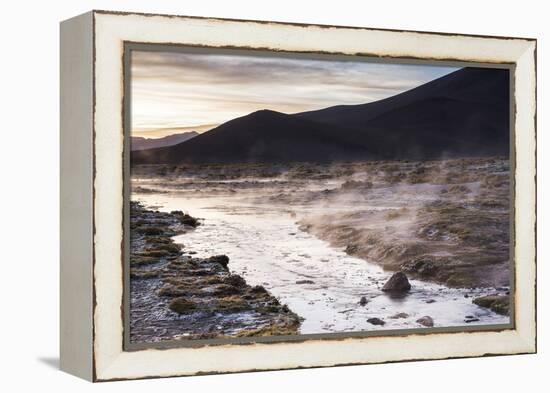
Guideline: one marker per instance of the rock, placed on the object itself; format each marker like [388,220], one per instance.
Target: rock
[497,303]
[149,230]
[363,301]
[397,283]
[225,290]
[258,289]
[181,305]
[185,218]
[471,320]
[235,280]
[430,301]
[351,249]
[400,315]
[300,282]
[231,304]
[221,259]
[422,266]
[376,321]
[426,321]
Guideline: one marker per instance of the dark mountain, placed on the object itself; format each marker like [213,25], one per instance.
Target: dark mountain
[140,143]
[262,136]
[465,113]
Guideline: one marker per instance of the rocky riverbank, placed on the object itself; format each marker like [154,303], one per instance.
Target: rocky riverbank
[175,295]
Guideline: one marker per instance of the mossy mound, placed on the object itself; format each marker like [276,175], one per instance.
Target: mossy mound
[144,274]
[137,260]
[181,305]
[497,303]
[185,218]
[149,231]
[232,304]
[274,330]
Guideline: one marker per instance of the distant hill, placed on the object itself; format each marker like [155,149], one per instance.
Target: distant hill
[465,113]
[262,136]
[140,143]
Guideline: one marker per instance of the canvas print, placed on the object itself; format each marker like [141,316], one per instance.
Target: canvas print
[283,195]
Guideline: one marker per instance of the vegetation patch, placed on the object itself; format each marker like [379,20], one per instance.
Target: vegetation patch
[232,304]
[273,330]
[497,303]
[185,218]
[181,305]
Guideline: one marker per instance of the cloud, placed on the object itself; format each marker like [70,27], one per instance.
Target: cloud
[176,89]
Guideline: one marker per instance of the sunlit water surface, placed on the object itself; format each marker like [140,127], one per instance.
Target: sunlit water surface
[321,284]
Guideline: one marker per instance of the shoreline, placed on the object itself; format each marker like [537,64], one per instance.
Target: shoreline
[420,267]
[177,296]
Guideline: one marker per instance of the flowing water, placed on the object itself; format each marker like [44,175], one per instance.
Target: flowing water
[320,283]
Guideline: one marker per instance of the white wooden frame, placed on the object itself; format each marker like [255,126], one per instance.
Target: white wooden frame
[92,182]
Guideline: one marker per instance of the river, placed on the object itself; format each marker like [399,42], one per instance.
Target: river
[322,284]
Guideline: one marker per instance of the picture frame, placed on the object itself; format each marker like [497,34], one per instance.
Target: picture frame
[94,220]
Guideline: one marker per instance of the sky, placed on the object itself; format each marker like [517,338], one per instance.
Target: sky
[173,92]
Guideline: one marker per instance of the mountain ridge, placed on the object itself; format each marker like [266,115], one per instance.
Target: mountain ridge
[462,114]
[141,143]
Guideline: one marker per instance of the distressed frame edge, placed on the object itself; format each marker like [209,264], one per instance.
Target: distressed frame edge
[76,196]
[304,24]
[528,340]
[526,212]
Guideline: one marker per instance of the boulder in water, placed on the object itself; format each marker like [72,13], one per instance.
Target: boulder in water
[426,321]
[376,321]
[397,283]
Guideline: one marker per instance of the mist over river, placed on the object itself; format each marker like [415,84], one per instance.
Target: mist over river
[259,222]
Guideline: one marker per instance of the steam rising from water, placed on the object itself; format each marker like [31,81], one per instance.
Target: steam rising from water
[309,233]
